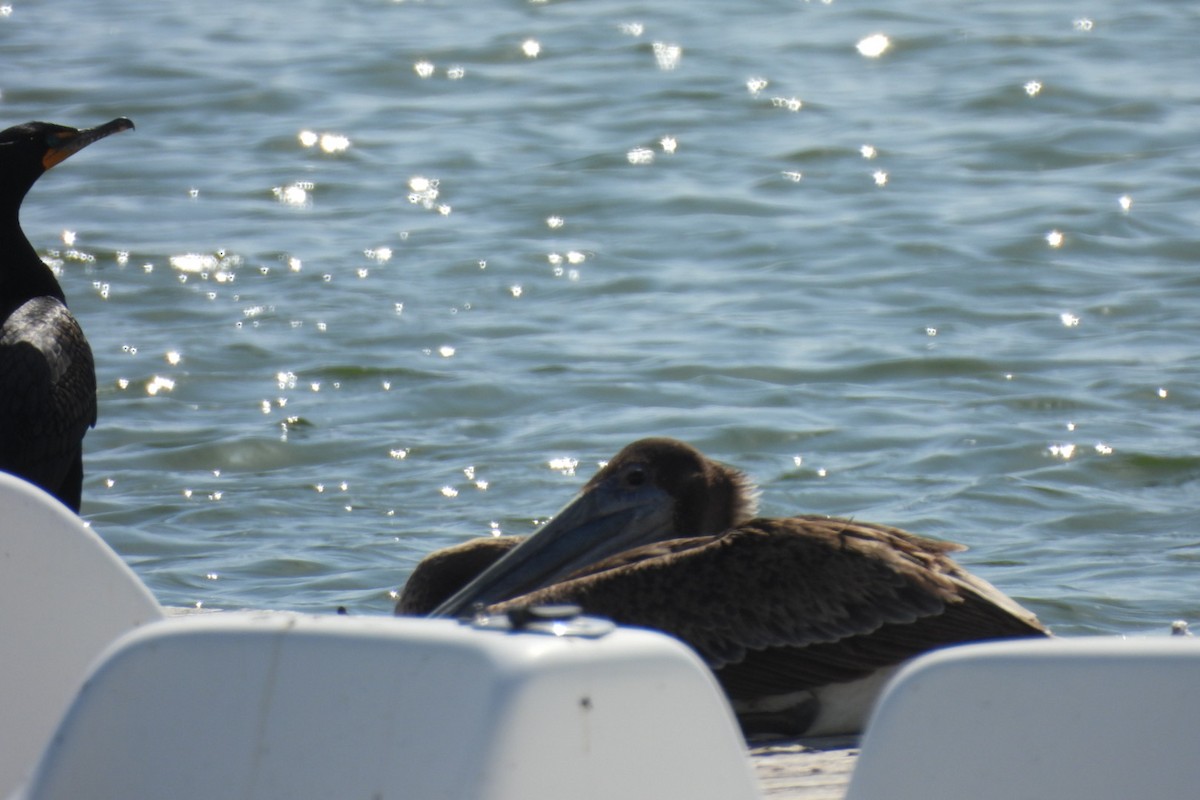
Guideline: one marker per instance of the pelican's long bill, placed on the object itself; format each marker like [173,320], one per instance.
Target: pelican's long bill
[604,519]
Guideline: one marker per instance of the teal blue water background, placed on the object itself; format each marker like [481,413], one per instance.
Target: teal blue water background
[373,277]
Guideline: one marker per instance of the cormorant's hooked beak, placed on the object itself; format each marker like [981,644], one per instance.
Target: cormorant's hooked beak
[65,143]
[601,521]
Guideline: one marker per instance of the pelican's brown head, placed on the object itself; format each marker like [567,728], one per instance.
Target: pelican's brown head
[653,490]
[708,496]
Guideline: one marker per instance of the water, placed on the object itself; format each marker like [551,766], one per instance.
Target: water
[950,287]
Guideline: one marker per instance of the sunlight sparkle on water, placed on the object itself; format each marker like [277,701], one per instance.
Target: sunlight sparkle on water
[790,103]
[668,144]
[1055,238]
[1033,88]
[756,85]
[159,384]
[334,143]
[874,45]
[632,28]
[565,464]
[423,69]
[295,195]
[640,155]
[794,177]
[1125,202]
[1063,451]
[880,177]
[172,357]
[868,151]
[667,56]
[1069,320]
[328,142]
[531,48]
[424,191]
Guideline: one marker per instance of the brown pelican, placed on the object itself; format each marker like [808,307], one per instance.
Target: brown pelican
[802,619]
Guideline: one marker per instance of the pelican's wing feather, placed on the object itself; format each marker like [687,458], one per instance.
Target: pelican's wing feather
[783,604]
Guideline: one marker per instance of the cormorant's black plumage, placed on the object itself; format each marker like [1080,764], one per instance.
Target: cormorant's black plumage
[47,375]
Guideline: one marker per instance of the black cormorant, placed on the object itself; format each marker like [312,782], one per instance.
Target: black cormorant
[47,376]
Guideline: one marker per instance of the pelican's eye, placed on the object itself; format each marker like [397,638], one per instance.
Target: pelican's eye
[635,475]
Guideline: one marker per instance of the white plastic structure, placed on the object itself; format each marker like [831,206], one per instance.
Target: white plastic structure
[274,705]
[1095,718]
[64,597]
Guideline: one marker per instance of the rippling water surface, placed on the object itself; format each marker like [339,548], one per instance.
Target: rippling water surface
[373,277]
